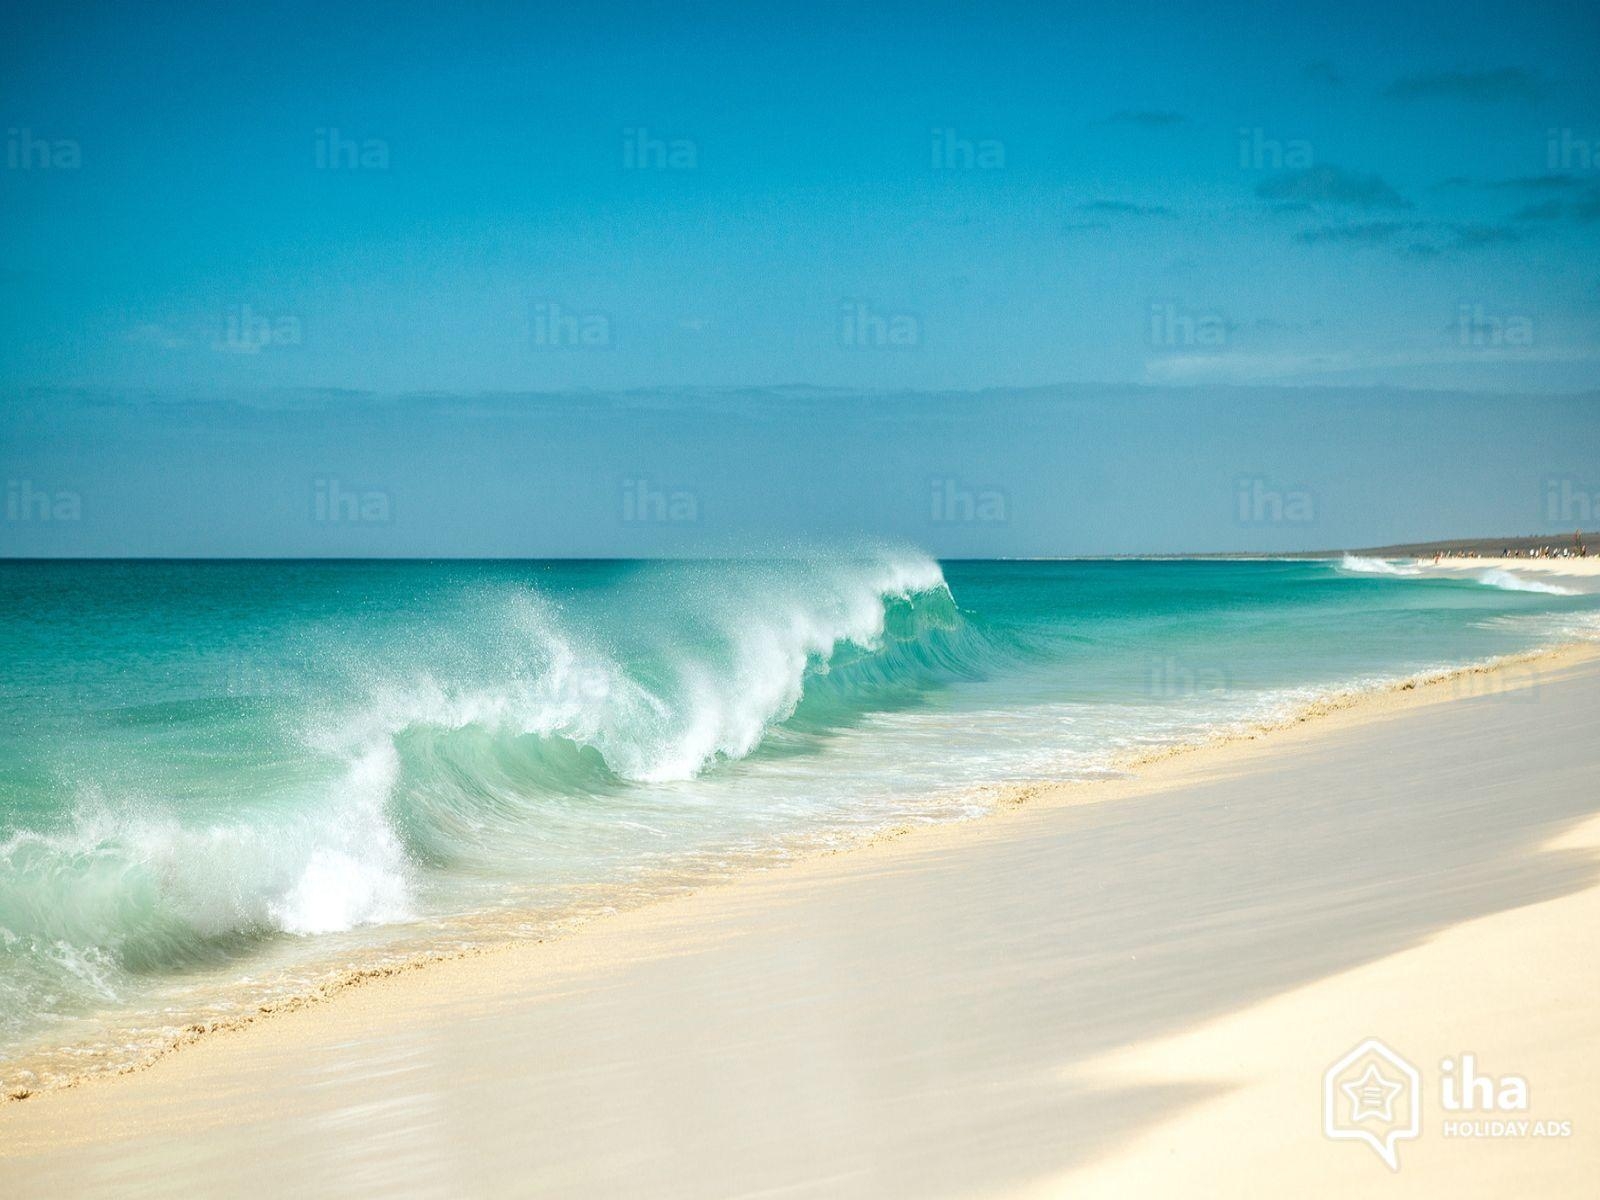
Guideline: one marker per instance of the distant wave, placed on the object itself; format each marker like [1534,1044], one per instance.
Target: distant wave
[1512,582]
[1359,565]
[1496,577]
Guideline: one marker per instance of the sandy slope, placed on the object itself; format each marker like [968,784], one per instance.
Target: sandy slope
[1579,571]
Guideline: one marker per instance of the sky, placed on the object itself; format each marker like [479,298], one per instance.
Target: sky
[441,253]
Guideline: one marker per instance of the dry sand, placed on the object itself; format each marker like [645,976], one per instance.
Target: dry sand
[1121,988]
[1578,572]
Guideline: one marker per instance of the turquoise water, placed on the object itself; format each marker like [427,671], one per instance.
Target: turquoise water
[220,781]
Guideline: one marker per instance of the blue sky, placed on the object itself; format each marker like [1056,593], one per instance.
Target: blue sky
[398,200]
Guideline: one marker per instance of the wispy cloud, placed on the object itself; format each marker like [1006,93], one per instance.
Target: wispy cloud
[1124,208]
[1549,210]
[1324,71]
[1148,118]
[1447,236]
[1274,325]
[1584,210]
[1484,87]
[1470,237]
[1331,185]
[1535,183]
[1432,237]
[151,333]
[1255,367]
[1366,231]
[1521,183]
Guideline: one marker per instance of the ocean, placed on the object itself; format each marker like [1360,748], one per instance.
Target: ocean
[226,783]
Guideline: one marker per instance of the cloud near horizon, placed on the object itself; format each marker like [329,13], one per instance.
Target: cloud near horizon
[1367,231]
[1485,87]
[1125,208]
[1149,118]
[1329,184]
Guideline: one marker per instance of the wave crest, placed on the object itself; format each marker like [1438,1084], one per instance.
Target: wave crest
[1512,582]
[480,734]
[1361,565]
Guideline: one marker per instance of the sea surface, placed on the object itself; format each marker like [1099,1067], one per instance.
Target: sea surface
[223,783]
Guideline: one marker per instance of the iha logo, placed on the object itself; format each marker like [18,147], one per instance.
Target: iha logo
[1477,328]
[641,151]
[1258,152]
[1172,678]
[948,151]
[333,151]
[334,504]
[861,326]
[951,503]
[1260,502]
[1564,152]
[25,152]
[249,332]
[1373,1095]
[26,503]
[1566,504]
[647,504]
[1503,1098]
[1172,326]
[554,327]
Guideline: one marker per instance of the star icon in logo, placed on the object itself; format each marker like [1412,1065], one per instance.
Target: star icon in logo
[1378,1090]
[1372,1095]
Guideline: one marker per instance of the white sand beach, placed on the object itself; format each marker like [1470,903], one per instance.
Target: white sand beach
[1581,573]
[1113,988]
[799,602]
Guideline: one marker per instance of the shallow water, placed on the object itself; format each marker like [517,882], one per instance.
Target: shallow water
[220,782]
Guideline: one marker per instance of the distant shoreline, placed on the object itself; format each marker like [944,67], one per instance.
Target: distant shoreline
[1483,547]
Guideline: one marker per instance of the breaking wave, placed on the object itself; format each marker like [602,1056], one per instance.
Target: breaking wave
[472,741]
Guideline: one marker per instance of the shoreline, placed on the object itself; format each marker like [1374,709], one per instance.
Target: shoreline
[1338,707]
[1066,993]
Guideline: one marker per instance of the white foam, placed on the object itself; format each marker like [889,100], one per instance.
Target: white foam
[1360,565]
[1512,582]
[719,702]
